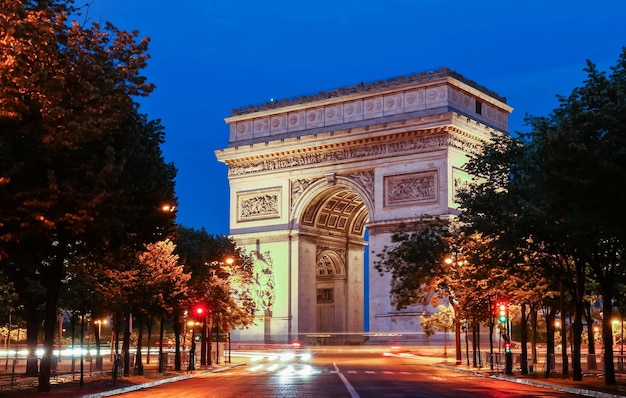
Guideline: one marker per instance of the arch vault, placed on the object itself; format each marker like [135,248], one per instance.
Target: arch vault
[318,184]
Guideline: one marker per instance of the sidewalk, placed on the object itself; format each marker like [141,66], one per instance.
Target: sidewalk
[101,384]
[592,385]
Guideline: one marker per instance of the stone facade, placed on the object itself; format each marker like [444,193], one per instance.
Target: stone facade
[308,177]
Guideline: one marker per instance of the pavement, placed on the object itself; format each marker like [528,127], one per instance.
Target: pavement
[100,384]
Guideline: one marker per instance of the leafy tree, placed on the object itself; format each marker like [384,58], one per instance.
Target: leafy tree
[416,261]
[583,149]
[214,283]
[65,96]
[164,284]
[551,193]
[442,320]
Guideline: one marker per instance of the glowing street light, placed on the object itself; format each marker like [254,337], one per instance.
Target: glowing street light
[100,322]
[168,208]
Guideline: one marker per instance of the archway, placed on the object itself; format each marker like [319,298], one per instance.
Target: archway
[331,240]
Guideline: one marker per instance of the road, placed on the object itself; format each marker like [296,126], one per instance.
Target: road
[349,373]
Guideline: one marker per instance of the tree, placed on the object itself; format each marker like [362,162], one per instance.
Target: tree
[65,91]
[580,151]
[219,286]
[443,320]
[551,192]
[417,262]
[165,285]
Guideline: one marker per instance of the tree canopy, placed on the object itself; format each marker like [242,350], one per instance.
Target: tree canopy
[80,168]
[544,210]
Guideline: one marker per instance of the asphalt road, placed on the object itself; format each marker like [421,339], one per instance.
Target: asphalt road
[349,373]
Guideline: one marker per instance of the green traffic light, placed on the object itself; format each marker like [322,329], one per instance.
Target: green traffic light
[502,318]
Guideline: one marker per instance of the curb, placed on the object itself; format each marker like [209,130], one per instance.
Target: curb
[157,382]
[571,390]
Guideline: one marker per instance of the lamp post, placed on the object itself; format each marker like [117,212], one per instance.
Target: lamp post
[184,330]
[192,349]
[229,262]
[99,322]
[449,261]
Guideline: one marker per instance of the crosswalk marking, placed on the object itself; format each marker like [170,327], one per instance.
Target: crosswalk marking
[295,370]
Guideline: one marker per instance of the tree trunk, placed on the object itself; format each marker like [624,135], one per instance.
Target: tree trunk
[209,342]
[149,325]
[607,338]
[534,322]
[591,338]
[467,358]
[82,341]
[474,344]
[138,357]
[161,334]
[480,359]
[32,331]
[577,324]
[524,341]
[457,335]
[563,331]
[96,332]
[550,317]
[203,343]
[577,329]
[491,327]
[73,320]
[50,318]
[177,332]
[126,344]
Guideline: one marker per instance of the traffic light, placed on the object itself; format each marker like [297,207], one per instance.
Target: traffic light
[507,347]
[199,311]
[503,312]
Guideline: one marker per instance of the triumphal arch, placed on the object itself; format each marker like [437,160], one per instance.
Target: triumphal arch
[318,184]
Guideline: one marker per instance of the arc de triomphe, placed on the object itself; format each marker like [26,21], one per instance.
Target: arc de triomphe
[318,183]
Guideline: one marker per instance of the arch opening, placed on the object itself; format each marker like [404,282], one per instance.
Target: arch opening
[332,256]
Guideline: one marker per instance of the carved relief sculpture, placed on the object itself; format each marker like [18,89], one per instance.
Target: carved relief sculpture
[254,206]
[410,188]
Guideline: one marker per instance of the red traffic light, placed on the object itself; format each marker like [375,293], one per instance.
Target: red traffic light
[199,311]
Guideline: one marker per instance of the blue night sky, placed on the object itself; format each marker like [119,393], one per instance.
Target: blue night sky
[210,56]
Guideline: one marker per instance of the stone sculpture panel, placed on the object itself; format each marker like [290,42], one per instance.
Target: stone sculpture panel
[410,189]
[256,205]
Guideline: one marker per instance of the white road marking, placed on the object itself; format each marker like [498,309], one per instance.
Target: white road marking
[351,389]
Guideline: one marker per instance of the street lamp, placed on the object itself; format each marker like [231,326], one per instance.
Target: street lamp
[457,322]
[99,359]
[192,347]
[100,322]
[167,208]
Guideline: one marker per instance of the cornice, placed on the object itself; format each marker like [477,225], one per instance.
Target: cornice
[375,147]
